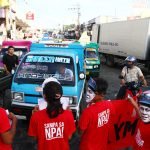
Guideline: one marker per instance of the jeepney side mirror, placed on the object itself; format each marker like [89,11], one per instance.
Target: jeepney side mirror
[12,71]
[82,75]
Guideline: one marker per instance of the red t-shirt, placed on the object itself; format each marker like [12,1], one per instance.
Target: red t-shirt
[52,133]
[95,122]
[142,137]
[123,131]
[4,127]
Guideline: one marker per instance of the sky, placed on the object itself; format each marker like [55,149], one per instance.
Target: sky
[53,13]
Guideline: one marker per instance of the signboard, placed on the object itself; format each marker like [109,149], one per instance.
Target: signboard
[29,16]
[48,59]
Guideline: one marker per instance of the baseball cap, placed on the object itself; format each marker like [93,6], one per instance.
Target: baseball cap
[92,84]
[145,98]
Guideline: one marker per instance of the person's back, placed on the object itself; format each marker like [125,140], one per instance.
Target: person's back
[97,125]
[53,126]
[52,133]
[95,120]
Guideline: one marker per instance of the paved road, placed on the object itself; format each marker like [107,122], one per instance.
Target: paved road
[22,141]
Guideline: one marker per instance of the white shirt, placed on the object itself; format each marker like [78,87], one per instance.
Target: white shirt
[131,74]
[68,75]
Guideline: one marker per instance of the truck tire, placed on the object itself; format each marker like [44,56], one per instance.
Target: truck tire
[110,60]
[102,58]
[7,99]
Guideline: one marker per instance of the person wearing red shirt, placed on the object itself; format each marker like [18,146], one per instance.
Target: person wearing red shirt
[143,133]
[7,130]
[53,126]
[95,120]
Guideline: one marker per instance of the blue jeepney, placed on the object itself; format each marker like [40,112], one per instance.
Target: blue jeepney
[42,62]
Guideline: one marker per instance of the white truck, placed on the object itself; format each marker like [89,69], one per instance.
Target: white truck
[123,38]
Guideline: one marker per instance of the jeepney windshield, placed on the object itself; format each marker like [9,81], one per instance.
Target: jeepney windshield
[35,68]
[91,53]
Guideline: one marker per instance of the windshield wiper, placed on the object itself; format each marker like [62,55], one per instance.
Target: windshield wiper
[23,80]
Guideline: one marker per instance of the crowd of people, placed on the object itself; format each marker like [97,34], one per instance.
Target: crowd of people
[99,124]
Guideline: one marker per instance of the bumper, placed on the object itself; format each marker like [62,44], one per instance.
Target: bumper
[25,109]
[92,73]
[22,108]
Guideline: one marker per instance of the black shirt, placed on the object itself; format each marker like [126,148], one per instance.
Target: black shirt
[10,61]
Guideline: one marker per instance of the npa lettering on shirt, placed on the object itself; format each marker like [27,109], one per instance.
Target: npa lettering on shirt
[103,117]
[54,130]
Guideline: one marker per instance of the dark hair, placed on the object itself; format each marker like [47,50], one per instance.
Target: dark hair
[50,90]
[101,85]
[10,47]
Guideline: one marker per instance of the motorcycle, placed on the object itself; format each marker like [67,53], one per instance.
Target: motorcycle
[133,89]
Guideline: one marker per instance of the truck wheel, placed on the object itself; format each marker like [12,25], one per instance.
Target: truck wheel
[102,58]
[7,99]
[110,60]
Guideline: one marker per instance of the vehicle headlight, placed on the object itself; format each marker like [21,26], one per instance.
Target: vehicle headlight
[89,67]
[95,66]
[16,96]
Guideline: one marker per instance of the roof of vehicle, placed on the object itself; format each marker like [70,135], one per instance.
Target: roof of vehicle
[39,46]
[56,52]
[57,49]
[16,43]
[92,45]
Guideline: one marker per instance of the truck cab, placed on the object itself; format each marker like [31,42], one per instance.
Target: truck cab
[92,59]
[43,62]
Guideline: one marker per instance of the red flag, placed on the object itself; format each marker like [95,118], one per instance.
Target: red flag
[125,122]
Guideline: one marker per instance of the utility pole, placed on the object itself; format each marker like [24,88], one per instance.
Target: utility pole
[77,8]
[77,30]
